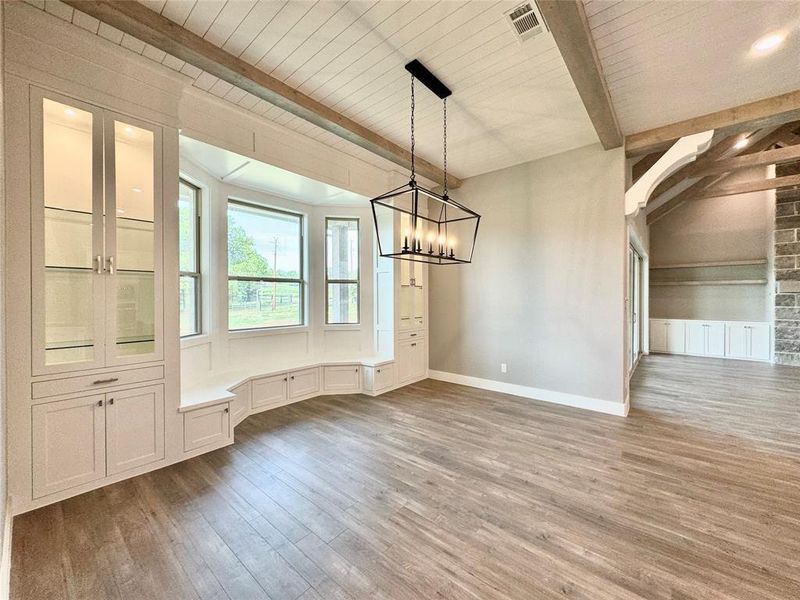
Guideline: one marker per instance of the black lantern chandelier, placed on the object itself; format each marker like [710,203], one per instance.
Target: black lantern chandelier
[417,224]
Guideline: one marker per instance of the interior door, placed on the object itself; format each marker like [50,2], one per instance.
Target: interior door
[67,294]
[133,240]
[134,428]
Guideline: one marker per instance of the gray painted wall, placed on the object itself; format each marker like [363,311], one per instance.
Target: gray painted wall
[545,293]
[712,230]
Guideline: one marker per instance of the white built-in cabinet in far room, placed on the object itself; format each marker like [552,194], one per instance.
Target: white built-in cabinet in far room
[723,339]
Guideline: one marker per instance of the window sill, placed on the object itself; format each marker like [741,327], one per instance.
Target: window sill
[191,341]
[343,327]
[267,331]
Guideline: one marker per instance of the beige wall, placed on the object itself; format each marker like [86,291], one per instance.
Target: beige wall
[729,228]
[545,293]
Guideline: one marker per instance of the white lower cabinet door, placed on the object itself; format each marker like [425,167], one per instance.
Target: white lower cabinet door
[759,341]
[269,392]
[410,360]
[241,404]
[69,443]
[134,428]
[695,337]
[209,426]
[658,335]
[342,378]
[304,382]
[715,338]
[676,337]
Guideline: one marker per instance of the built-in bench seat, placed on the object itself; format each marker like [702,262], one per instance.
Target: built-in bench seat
[215,404]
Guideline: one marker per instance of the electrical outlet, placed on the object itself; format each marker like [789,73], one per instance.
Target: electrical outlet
[503,368]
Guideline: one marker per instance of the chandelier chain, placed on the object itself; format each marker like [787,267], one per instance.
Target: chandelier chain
[444,140]
[413,141]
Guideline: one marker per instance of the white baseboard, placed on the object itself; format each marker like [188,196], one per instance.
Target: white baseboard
[619,409]
[5,559]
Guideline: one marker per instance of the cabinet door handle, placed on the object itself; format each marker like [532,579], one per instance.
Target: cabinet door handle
[413,335]
[110,261]
[227,410]
[98,268]
[285,379]
[111,401]
[292,378]
[99,403]
[379,370]
[356,369]
[101,381]
[413,345]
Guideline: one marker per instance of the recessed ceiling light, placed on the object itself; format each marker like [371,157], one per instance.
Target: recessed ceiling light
[129,130]
[69,112]
[741,143]
[768,43]
[137,190]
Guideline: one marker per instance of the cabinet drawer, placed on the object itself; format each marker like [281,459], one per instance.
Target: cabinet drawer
[410,335]
[98,381]
[269,392]
[303,383]
[208,426]
[342,378]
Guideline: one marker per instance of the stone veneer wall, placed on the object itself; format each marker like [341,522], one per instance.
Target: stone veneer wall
[787,271]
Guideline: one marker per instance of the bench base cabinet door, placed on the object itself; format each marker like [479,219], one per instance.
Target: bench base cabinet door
[134,428]
[270,392]
[705,338]
[210,426]
[377,379]
[241,404]
[668,335]
[344,378]
[303,383]
[69,443]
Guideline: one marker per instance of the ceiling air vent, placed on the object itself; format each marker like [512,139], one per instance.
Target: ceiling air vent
[525,21]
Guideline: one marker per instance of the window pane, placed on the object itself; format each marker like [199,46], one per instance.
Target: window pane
[263,243]
[187,223]
[341,249]
[342,303]
[188,305]
[253,304]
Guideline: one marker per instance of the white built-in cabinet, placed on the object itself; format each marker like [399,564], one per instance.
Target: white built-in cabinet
[81,439]
[96,245]
[723,339]
[411,358]
[96,380]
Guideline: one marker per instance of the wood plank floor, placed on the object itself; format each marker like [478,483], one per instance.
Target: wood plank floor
[442,491]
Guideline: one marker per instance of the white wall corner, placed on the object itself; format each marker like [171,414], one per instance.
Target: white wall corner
[608,407]
[682,152]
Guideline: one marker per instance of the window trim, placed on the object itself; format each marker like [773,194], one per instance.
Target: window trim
[301,281]
[197,275]
[356,281]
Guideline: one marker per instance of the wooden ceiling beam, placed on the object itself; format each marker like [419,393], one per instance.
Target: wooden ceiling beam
[567,21]
[747,187]
[757,159]
[768,112]
[148,26]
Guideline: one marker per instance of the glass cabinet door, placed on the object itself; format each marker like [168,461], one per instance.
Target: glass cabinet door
[66,234]
[133,240]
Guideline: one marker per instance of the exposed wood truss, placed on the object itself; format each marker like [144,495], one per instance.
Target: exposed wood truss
[140,22]
[568,24]
[713,166]
[760,114]
[745,187]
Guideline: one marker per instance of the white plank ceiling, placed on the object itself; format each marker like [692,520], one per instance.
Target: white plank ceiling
[512,102]
[666,60]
